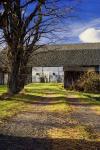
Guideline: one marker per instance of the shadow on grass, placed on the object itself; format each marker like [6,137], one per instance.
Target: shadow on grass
[94,98]
[28,143]
[33,99]
[42,100]
[83,102]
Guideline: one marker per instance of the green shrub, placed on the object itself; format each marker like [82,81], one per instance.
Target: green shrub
[88,82]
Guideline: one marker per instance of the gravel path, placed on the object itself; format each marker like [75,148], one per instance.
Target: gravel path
[85,115]
[44,130]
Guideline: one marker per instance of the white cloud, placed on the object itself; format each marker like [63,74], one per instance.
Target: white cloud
[90,35]
[70,33]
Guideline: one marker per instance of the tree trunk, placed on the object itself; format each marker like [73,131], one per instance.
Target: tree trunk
[17,75]
[16,80]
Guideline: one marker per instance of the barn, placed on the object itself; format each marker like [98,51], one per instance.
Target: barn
[74,58]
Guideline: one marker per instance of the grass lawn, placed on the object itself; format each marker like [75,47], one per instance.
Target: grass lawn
[33,93]
[56,97]
[36,92]
[88,98]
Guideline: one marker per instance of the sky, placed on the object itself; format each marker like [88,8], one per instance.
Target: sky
[85,27]
[84,24]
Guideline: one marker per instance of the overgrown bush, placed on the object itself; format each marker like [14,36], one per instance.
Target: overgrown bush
[88,82]
[42,79]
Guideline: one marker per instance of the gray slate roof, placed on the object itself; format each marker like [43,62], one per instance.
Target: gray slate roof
[64,55]
[67,55]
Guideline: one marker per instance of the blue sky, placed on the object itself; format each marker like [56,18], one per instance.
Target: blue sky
[85,26]
[82,27]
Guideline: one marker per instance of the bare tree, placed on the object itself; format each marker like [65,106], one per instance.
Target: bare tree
[23,23]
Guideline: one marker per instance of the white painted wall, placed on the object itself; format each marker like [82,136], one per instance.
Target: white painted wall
[51,74]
